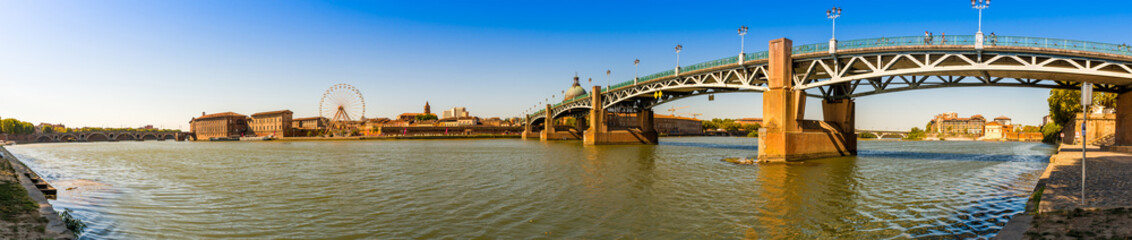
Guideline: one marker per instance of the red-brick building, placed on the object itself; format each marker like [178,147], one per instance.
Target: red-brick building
[225,124]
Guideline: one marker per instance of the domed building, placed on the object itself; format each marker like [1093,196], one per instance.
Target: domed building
[574,91]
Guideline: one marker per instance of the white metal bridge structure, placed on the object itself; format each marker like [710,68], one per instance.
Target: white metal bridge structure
[880,134]
[856,68]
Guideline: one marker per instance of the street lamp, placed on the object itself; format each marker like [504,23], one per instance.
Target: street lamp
[980,5]
[607,72]
[636,71]
[832,14]
[678,48]
[742,33]
[742,40]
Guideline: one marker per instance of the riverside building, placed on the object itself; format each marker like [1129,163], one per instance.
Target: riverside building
[274,123]
[225,124]
[951,124]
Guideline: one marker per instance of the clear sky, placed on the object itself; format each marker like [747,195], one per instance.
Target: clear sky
[129,63]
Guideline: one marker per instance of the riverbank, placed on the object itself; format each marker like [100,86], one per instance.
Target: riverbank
[1056,209]
[485,136]
[24,210]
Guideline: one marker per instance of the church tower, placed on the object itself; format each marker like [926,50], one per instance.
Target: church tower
[427,109]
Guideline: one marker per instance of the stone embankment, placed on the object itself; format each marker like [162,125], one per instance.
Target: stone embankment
[1057,208]
[26,212]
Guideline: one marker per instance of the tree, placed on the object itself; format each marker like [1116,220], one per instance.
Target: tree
[1051,132]
[1064,104]
[915,134]
[425,117]
[866,135]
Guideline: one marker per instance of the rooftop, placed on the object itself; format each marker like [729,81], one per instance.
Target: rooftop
[219,115]
[272,112]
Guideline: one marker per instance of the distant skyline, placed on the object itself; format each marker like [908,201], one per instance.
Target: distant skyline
[131,63]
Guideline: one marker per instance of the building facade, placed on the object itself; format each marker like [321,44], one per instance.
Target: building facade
[993,131]
[310,123]
[456,112]
[951,124]
[225,124]
[274,123]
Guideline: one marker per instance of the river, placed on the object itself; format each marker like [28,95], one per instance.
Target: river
[515,189]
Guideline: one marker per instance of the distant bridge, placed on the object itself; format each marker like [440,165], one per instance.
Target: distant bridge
[882,133]
[107,136]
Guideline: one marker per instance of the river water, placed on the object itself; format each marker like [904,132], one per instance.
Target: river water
[514,189]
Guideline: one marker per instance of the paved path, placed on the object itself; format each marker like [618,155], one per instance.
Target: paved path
[1108,180]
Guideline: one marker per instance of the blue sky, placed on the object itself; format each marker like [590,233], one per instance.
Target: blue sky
[128,63]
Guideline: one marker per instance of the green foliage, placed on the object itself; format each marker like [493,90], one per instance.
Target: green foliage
[13,126]
[73,223]
[915,134]
[14,200]
[425,117]
[728,125]
[1064,105]
[866,135]
[754,133]
[1051,132]
[1029,128]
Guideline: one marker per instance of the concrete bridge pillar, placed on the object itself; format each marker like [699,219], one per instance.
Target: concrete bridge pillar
[1123,119]
[527,133]
[599,133]
[549,133]
[785,136]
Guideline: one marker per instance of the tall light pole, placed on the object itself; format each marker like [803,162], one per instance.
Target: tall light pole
[742,40]
[607,72]
[678,48]
[980,5]
[832,14]
[636,71]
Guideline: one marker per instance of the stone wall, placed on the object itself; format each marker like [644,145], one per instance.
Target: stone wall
[1099,126]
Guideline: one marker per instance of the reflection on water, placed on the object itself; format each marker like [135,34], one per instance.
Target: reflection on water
[528,189]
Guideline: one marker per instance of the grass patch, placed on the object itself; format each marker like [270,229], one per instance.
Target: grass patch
[1036,199]
[14,199]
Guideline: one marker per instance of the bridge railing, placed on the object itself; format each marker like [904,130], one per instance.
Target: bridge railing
[935,40]
[1053,43]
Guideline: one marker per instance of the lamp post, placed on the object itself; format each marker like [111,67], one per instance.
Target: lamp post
[832,14]
[742,40]
[607,72]
[636,71]
[980,5]
[678,48]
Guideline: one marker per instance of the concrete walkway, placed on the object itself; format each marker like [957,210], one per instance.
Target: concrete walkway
[1108,180]
[1061,213]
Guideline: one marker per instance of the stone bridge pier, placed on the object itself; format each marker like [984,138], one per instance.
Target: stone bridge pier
[785,136]
[549,131]
[600,134]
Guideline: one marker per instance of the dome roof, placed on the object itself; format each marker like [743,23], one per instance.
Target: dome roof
[574,91]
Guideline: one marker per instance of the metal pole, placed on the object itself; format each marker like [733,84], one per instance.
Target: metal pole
[1084,139]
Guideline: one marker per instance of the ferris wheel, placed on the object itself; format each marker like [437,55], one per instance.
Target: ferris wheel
[342,103]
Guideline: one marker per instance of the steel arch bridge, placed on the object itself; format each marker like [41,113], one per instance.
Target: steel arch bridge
[858,68]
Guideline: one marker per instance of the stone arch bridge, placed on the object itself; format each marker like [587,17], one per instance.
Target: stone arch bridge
[837,73]
[99,136]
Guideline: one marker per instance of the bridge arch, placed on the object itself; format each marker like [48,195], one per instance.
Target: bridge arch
[42,139]
[124,137]
[97,137]
[149,136]
[68,138]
